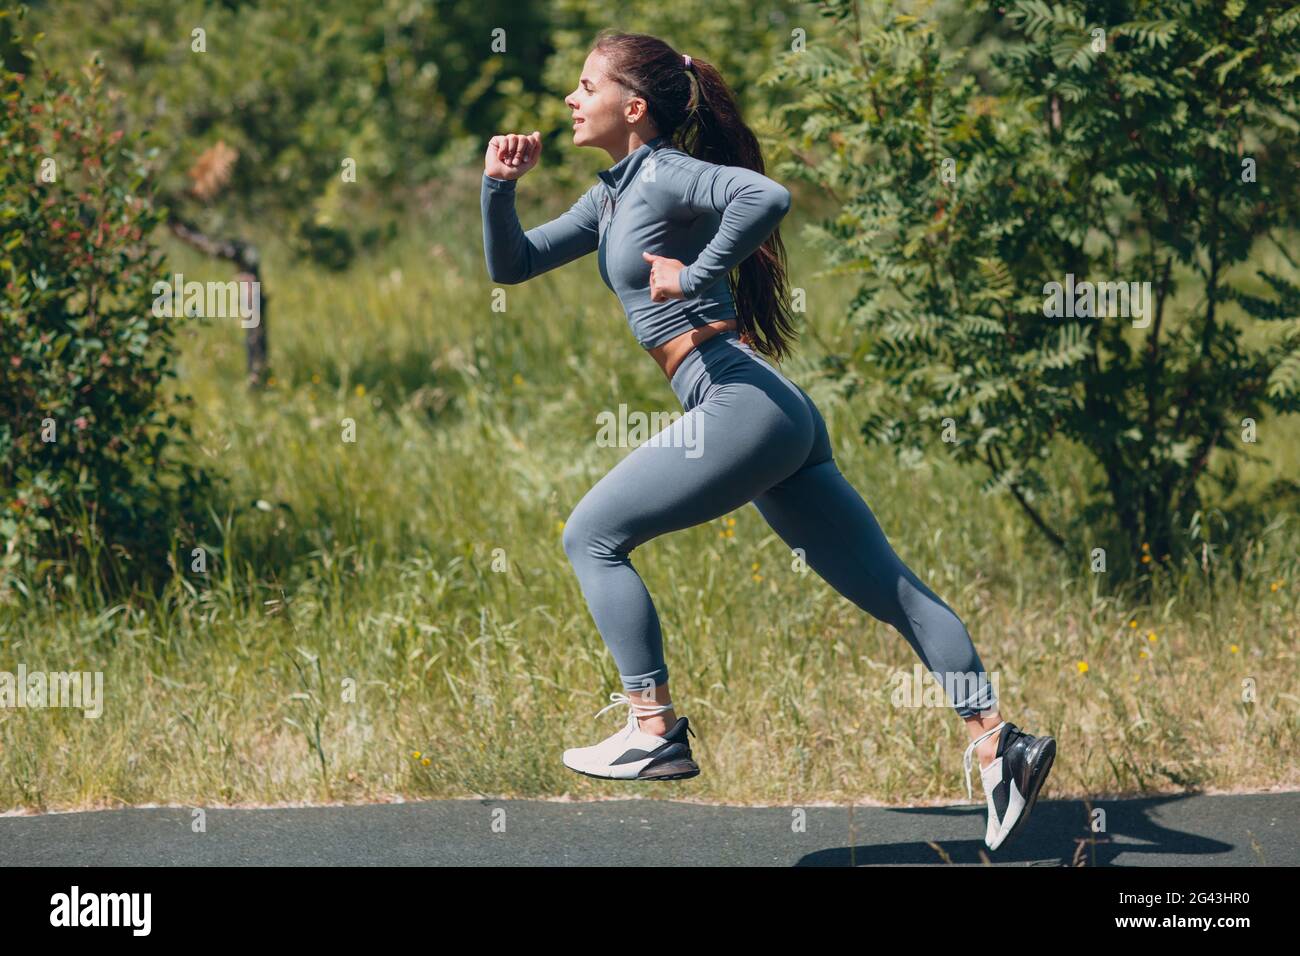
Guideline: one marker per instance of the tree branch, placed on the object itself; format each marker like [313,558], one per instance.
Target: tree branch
[1034,516]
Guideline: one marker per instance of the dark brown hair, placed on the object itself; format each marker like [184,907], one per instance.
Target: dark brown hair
[694,107]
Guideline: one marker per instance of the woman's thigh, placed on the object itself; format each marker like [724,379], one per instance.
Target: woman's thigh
[736,443]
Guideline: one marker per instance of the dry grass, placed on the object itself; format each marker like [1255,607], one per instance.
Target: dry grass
[359,621]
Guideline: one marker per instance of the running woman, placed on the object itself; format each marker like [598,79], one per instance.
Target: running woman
[684,206]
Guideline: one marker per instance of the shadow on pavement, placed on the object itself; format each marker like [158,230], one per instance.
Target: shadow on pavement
[1058,834]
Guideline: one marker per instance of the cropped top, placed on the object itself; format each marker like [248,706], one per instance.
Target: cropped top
[656,199]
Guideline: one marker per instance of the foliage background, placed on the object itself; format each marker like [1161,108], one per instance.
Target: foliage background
[373,563]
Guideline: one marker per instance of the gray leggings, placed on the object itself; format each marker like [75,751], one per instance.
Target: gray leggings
[750,434]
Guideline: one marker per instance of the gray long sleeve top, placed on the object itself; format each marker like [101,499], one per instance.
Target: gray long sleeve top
[656,199]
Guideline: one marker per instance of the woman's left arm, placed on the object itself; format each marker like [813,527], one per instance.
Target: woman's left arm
[751,206]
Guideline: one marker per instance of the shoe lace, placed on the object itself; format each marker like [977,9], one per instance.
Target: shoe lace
[634,713]
[970,753]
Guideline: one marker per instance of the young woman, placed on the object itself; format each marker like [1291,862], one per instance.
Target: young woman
[685,204]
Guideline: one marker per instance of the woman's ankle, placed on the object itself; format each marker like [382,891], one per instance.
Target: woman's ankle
[646,699]
[658,724]
[987,749]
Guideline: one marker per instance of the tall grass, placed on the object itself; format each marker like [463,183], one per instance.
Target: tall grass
[352,640]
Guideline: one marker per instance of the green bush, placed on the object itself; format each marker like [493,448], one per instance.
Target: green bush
[92,476]
[295,89]
[1114,142]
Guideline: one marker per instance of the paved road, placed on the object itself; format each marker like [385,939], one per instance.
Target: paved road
[1224,830]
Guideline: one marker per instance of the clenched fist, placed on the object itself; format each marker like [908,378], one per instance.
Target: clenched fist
[663,277]
[510,155]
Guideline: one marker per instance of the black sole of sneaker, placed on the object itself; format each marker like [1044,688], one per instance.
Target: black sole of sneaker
[1040,757]
[671,770]
[679,769]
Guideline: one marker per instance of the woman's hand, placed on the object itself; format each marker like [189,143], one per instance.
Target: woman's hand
[663,277]
[510,155]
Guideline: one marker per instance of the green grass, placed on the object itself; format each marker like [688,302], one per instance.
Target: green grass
[359,621]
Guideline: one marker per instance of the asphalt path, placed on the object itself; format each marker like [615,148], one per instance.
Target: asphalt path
[1178,830]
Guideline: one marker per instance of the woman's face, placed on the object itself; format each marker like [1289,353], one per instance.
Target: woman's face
[603,110]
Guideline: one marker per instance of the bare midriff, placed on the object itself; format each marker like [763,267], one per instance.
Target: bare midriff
[672,353]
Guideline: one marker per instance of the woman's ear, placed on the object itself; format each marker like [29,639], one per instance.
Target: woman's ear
[634,109]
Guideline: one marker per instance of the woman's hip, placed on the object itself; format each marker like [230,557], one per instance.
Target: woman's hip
[746,428]
[722,360]
[748,408]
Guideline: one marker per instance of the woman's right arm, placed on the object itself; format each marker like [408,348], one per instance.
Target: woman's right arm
[514,255]
[750,206]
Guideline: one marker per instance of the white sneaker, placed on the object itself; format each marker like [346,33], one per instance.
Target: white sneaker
[1012,781]
[633,754]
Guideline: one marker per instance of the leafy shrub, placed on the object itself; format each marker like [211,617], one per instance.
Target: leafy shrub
[1120,141]
[91,446]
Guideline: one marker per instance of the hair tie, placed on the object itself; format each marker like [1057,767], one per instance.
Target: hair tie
[687,58]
